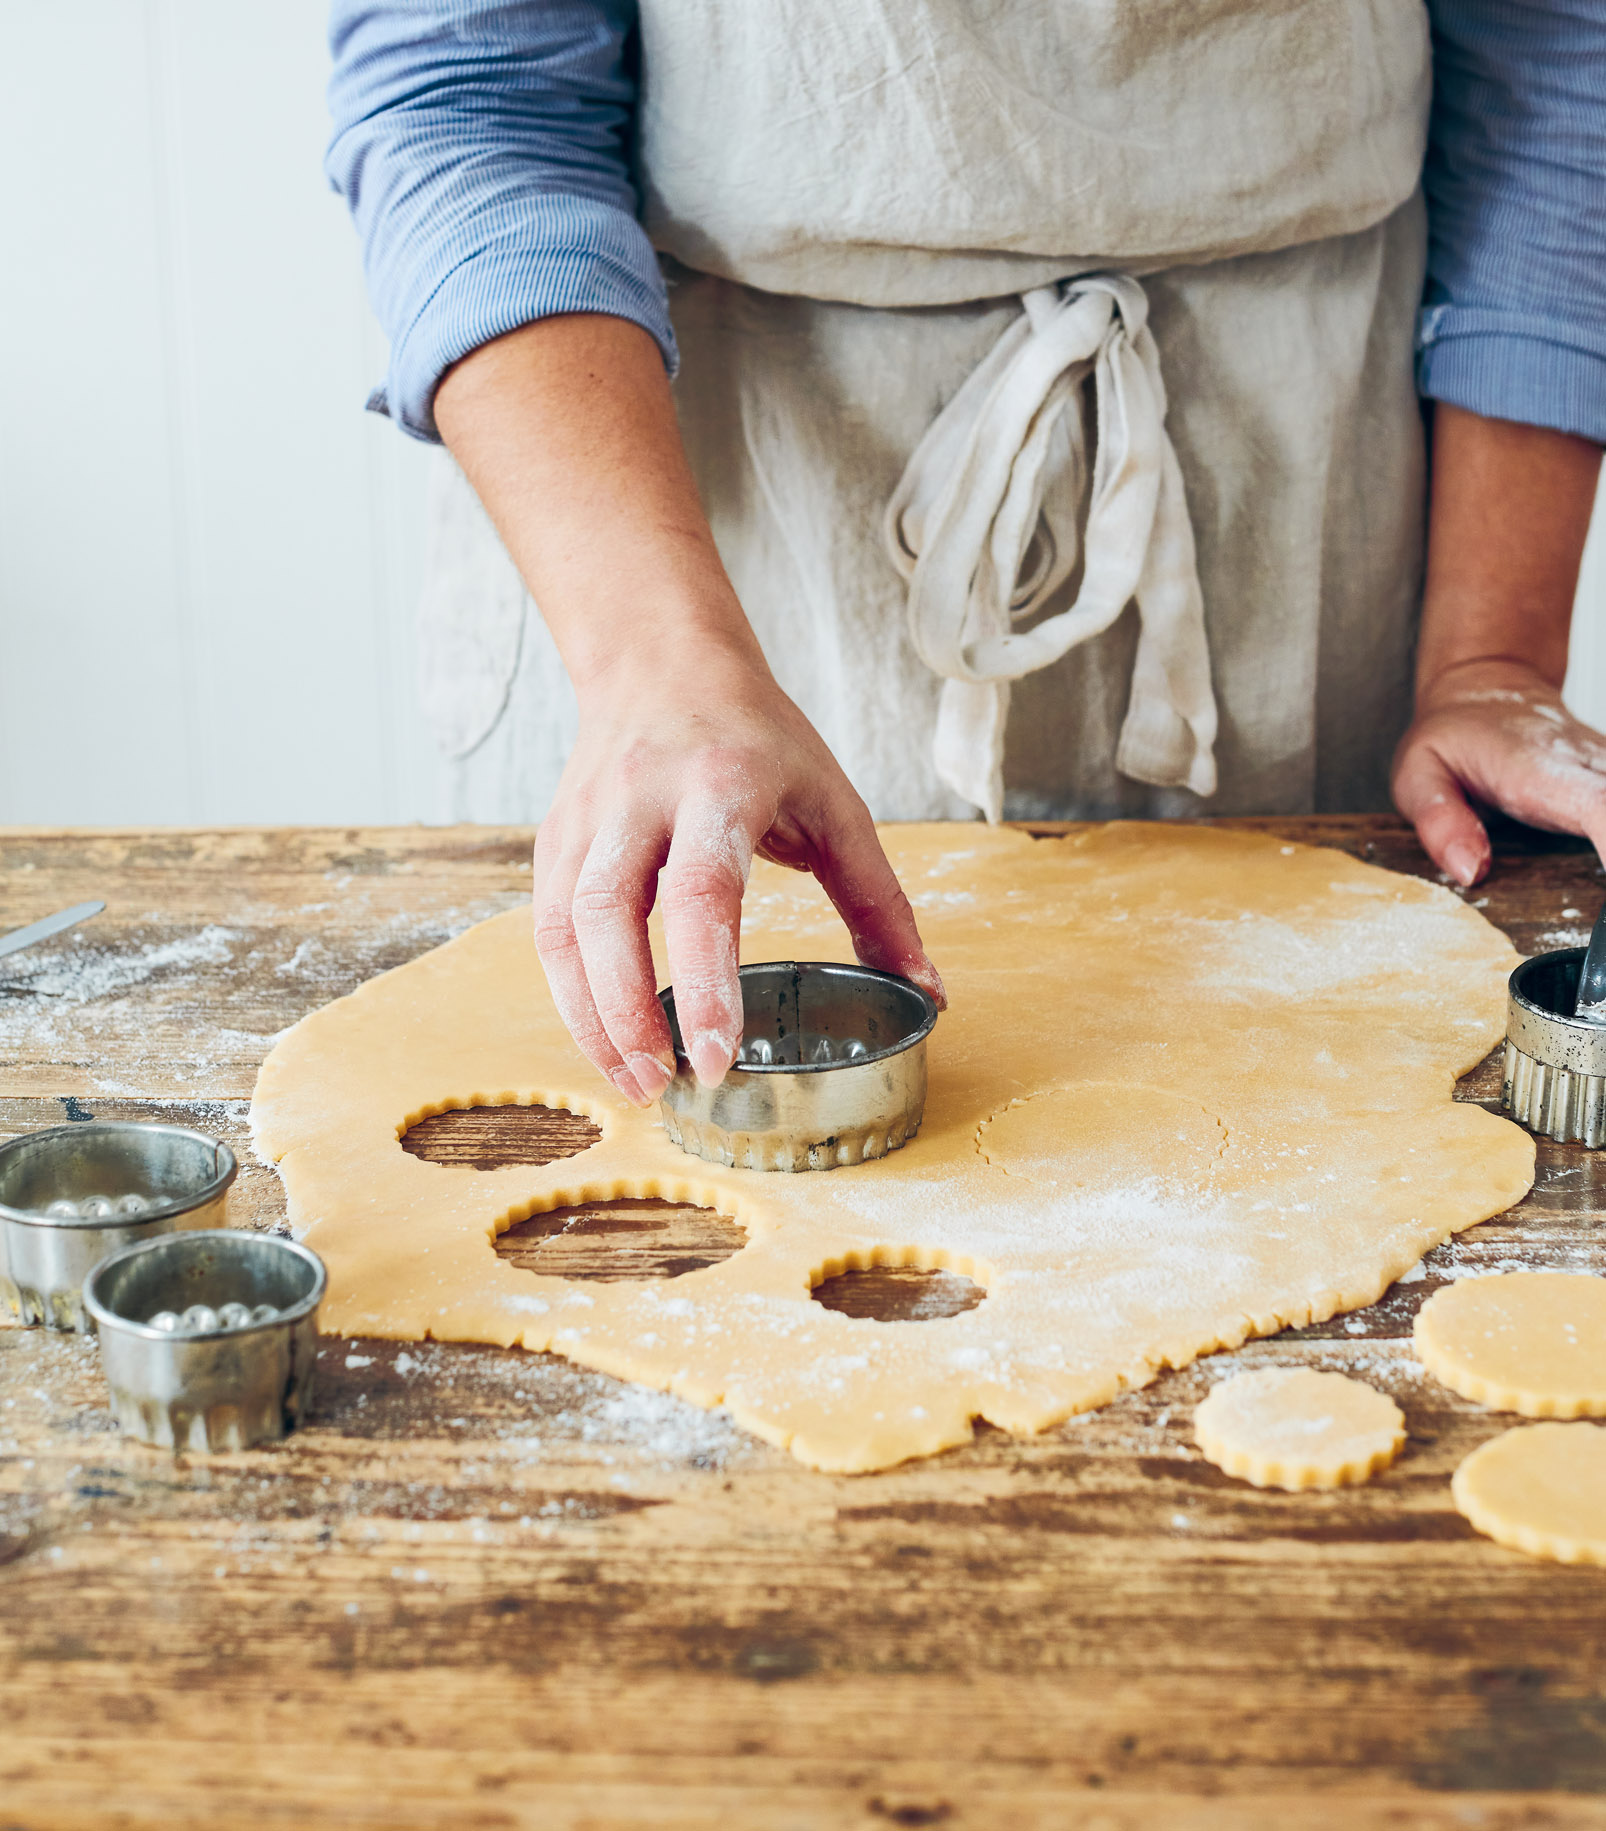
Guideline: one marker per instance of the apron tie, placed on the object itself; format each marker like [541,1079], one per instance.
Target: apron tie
[984,541]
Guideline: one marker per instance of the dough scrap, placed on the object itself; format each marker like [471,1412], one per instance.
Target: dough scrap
[1540,1488]
[1292,1427]
[1529,1342]
[1298,1016]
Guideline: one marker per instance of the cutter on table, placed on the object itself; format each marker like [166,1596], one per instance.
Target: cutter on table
[831,1070]
[1554,1078]
[210,1389]
[183,1177]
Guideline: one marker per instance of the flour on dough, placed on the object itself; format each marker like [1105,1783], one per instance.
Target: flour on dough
[1530,1342]
[1292,1427]
[1541,1489]
[1194,1085]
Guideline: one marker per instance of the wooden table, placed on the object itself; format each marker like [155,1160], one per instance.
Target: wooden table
[485,1589]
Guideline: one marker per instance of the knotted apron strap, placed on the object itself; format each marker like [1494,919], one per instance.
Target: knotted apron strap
[983,525]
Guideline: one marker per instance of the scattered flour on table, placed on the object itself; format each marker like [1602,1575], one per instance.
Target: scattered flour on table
[569,1405]
[165,1004]
[80,974]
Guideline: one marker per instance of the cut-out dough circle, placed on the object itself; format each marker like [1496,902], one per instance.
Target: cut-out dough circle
[1540,1488]
[1292,1427]
[1314,1008]
[1529,1342]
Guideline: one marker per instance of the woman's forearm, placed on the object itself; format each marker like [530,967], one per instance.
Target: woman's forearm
[567,430]
[1510,512]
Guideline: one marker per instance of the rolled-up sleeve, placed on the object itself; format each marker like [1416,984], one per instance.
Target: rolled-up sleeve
[484,152]
[1514,321]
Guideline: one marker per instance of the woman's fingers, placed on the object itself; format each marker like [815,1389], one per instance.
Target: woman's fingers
[857,877]
[1428,794]
[612,897]
[700,895]
[559,948]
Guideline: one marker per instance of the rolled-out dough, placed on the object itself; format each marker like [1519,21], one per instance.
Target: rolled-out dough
[1292,1427]
[1194,1085]
[1540,1488]
[1529,1342]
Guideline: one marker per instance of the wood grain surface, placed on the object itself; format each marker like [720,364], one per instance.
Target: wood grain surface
[488,1589]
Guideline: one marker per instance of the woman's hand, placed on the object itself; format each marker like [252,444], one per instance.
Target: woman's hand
[1509,516]
[676,781]
[1496,733]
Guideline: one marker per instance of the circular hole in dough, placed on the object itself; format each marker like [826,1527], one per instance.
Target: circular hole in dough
[1540,1488]
[491,1135]
[899,1293]
[614,1242]
[1529,1342]
[1291,1427]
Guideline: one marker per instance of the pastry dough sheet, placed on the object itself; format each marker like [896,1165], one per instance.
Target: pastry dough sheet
[1194,1085]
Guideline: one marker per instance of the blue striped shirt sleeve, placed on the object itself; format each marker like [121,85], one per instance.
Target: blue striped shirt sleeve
[484,151]
[1514,321]
[483,146]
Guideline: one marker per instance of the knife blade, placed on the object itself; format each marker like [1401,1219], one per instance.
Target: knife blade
[47,926]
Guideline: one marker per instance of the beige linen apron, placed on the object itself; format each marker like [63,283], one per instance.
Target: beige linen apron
[1175,253]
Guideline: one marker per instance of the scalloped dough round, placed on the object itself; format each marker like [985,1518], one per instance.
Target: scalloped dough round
[1194,1085]
[1529,1342]
[1540,1488]
[1292,1427]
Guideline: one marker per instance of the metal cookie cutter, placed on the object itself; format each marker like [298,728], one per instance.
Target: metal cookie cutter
[831,1070]
[1555,1066]
[73,1193]
[208,1389]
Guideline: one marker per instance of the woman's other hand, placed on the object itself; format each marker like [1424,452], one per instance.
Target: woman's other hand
[1497,734]
[1510,513]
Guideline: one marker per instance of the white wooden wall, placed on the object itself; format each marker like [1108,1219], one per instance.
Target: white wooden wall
[208,552]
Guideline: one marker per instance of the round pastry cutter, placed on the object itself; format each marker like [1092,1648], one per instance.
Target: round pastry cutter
[209,1389]
[180,1178]
[831,1070]
[1555,1061]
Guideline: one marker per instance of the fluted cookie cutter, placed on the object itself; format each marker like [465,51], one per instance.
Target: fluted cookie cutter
[1554,1078]
[208,1389]
[71,1194]
[831,1070]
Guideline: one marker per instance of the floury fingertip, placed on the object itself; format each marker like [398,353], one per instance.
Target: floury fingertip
[1466,863]
[926,976]
[628,1085]
[710,1057]
[652,1075]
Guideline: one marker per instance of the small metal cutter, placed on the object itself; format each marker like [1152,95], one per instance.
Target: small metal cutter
[215,1389]
[1555,1066]
[181,1177]
[831,1070]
